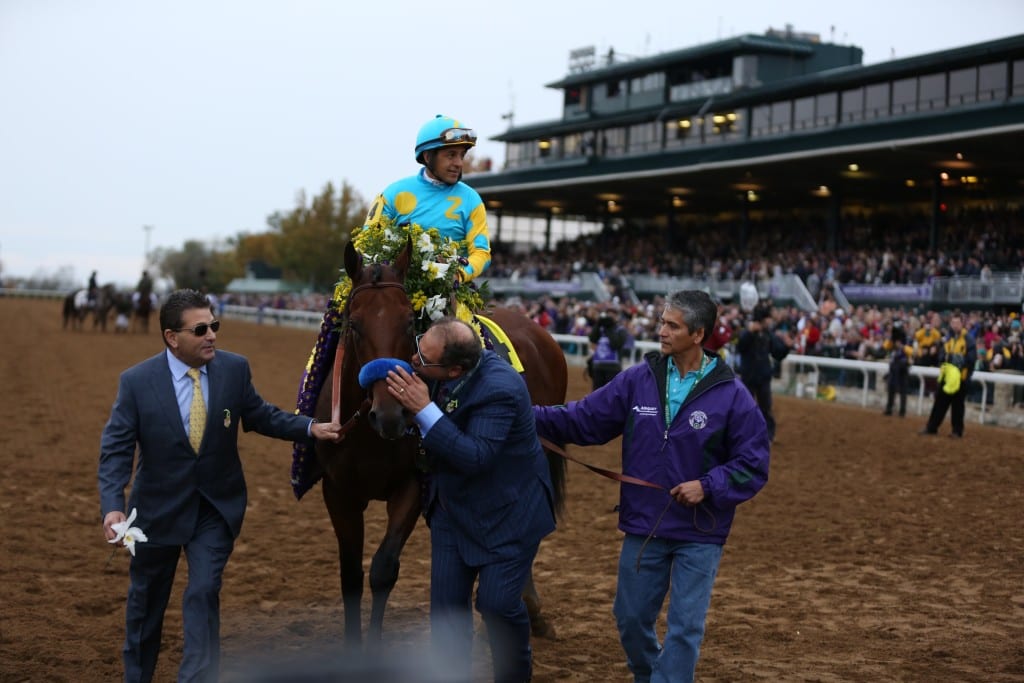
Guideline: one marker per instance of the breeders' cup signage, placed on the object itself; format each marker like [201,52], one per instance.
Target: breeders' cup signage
[894,293]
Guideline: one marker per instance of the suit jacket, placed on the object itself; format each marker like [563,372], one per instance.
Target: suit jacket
[489,472]
[170,477]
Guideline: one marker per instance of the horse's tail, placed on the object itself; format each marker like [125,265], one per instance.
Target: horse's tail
[558,471]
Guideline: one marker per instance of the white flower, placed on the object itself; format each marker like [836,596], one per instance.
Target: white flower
[434,308]
[128,534]
[442,269]
[426,244]
[389,235]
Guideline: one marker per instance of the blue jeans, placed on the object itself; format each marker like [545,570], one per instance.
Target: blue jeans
[690,569]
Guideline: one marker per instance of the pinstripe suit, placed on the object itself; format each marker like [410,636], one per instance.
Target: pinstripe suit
[185,499]
[489,504]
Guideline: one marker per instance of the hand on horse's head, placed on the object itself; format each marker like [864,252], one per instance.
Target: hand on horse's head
[408,389]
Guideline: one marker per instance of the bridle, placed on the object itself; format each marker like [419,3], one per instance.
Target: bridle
[339,357]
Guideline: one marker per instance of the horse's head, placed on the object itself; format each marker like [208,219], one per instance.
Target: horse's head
[379,324]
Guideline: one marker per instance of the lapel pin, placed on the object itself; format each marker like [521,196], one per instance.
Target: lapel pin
[227,418]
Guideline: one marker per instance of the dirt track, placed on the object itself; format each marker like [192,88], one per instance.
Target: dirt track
[872,554]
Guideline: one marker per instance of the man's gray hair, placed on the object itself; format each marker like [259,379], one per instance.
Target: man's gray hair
[700,312]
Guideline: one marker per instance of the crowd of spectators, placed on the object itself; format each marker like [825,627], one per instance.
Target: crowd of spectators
[879,248]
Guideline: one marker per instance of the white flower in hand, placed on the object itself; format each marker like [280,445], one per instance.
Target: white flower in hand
[128,534]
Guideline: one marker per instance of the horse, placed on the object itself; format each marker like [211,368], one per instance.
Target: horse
[143,304]
[76,308]
[106,299]
[376,459]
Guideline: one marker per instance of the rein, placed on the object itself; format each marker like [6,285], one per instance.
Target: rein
[627,479]
[339,358]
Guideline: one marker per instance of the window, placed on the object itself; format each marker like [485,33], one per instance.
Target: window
[648,83]
[573,96]
[932,92]
[963,86]
[681,132]
[1018,78]
[853,105]
[803,113]
[612,89]
[781,116]
[904,96]
[876,101]
[643,137]
[761,121]
[612,142]
[992,82]
[825,109]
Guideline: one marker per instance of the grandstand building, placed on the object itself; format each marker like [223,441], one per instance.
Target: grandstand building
[756,125]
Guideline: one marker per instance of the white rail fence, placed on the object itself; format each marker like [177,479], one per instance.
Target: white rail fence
[801,375]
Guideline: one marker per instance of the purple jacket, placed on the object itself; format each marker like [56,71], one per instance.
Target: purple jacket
[718,436]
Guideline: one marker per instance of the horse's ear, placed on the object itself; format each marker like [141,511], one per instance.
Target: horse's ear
[353,261]
[402,262]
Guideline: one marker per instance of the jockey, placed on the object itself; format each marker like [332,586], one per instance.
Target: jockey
[93,290]
[437,198]
[145,286]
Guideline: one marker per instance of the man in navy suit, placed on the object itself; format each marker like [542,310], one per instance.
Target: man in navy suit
[489,501]
[190,497]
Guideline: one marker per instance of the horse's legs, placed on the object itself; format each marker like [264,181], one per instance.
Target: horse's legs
[539,625]
[347,518]
[403,513]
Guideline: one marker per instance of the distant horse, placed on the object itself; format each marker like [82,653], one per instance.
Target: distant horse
[76,308]
[376,460]
[143,304]
[106,299]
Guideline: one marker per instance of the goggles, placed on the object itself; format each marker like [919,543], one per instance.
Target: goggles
[201,329]
[454,136]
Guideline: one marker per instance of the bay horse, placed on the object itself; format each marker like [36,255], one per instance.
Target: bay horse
[376,460]
[142,308]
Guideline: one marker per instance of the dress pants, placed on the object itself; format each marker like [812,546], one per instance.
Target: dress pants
[499,600]
[152,577]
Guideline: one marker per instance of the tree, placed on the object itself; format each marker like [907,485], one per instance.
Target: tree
[312,238]
[198,266]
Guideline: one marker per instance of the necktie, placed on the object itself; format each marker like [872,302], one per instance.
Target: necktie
[197,413]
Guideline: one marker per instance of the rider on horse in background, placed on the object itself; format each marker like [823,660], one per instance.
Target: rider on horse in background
[93,290]
[145,286]
[143,292]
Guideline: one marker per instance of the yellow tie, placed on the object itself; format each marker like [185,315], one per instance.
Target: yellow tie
[197,413]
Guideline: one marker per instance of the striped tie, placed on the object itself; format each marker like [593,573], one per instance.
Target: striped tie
[197,413]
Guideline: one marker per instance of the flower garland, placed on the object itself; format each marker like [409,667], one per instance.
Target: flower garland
[434,273]
[431,281]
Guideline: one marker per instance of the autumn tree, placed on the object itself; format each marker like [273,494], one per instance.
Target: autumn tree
[312,236]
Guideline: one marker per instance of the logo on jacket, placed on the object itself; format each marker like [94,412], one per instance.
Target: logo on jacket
[698,419]
[645,410]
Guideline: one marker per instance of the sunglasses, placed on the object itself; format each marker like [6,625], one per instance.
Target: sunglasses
[456,135]
[201,329]
[419,355]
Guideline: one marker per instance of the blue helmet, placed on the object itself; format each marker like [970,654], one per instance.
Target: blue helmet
[443,131]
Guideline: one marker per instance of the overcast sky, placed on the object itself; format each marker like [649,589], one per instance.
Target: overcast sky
[200,118]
